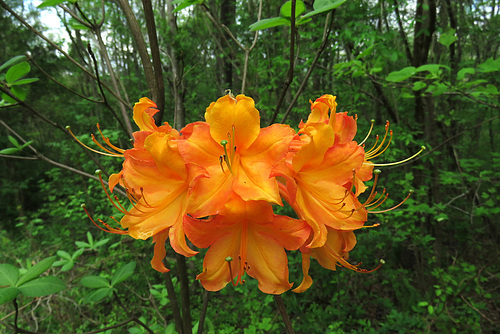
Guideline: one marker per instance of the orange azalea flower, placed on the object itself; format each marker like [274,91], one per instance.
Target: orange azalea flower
[156,179]
[237,154]
[246,237]
[320,170]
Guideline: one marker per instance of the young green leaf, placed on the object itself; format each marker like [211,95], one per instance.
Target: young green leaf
[8,274]
[95,282]
[401,75]
[321,6]
[17,71]
[64,254]
[269,23]
[123,273]
[50,3]
[8,294]
[286,9]
[42,286]
[14,142]
[448,37]
[81,244]
[10,150]
[12,61]
[24,81]
[36,270]
[98,295]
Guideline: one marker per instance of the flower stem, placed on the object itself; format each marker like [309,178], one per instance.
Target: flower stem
[203,312]
[284,314]
[173,302]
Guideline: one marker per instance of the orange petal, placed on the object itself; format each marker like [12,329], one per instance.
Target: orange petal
[307,281]
[239,112]
[143,114]
[335,251]
[254,238]
[160,252]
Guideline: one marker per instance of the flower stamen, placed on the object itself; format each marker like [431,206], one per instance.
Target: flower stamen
[111,154]
[369,132]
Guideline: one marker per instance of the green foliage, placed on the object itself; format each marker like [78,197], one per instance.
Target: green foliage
[28,284]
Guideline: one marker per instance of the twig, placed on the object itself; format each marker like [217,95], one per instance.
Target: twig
[126,127]
[475,309]
[203,312]
[326,34]
[173,302]
[185,302]
[39,34]
[248,50]
[284,314]
[289,77]
[133,317]
[40,156]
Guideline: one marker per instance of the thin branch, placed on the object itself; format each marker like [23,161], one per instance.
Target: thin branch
[173,302]
[127,127]
[284,314]
[203,312]
[185,302]
[51,78]
[55,46]
[326,34]
[133,317]
[40,156]
[248,50]
[289,77]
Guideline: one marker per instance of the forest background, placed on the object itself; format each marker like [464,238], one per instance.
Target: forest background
[429,67]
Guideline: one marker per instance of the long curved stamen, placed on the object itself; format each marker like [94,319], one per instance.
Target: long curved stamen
[108,228]
[374,155]
[144,198]
[374,151]
[100,145]
[226,156]
[397,162]
[116,155]
[108,142]
[370,226]
[396,206]
[369,132]
[373,192]
[378,202]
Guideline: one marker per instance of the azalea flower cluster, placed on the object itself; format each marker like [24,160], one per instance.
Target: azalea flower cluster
[216,182]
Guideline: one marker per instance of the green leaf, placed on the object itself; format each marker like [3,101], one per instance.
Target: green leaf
[98,295]
[489,65]
[286,9]
[101,242]
[184,4]
[42,286]
[29,142]
[12,61]
[269,23]
[77,253]
[90,239]
[81,244]
[95,282]
[8,274]
[467,70]
[321,6]
[64,254]
[8,98]
[19,92]
[423,304]
[50,3]
[14,142]
[433,68]
[8,294]
[36,270]
[10,150]
[123,273]
[448,37]
[24,81]
[68,265]
[17,71]
[401,75]
[418,86]
[367,52]
[59,263]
